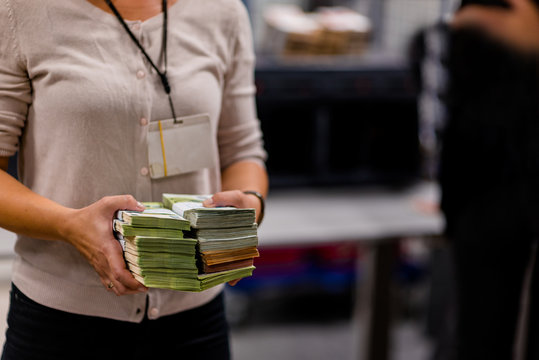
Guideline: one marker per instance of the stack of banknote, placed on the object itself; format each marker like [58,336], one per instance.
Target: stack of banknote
[200,217]
[220,251]
[156,250]
[227,237]
[161,249]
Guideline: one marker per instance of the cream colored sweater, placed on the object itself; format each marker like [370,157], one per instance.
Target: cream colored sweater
[75,98]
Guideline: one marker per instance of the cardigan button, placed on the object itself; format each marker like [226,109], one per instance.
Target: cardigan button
[154,312]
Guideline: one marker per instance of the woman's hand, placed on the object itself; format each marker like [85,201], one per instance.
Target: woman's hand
[90,231]
[517,26]
[234,198]
[237,199]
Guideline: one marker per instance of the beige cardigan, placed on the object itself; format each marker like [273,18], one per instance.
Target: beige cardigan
[75,99]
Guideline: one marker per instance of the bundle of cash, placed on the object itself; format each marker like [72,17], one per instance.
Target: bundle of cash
[153,205]
[162,250]
[215,261]
[127,230]
[210,280]
[227,237]
[159,218]
[189,281]
[190,207]
[237,232]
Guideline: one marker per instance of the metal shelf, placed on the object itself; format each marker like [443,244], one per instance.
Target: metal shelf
[345,121]
[345,79]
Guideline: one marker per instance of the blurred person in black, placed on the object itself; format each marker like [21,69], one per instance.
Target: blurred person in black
[489,173]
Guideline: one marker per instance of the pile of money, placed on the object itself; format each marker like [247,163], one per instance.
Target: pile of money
[156,250]
[229,249]
[200,217]
[163,249]
[227,237]
[151,222]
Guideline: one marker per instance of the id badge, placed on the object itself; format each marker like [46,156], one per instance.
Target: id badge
[181,147]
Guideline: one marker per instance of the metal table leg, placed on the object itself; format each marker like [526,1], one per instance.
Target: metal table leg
[373,303]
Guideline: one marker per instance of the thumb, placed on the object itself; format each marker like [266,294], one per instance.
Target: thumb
[520,4]
[232,198]
[226,198]
[478,15]
[122,202]
[209,202]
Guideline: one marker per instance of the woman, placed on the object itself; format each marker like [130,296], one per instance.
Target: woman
[78,92]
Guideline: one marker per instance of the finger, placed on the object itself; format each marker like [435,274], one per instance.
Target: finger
[521,4]
[109,285]
[114,287]
[119,289]
[118,273]
[117,285]
[127,282]
[123,277]
[485,17]
[234,282]
[209,202]
[111,269]
[124,202]
[103,270]
[228,198]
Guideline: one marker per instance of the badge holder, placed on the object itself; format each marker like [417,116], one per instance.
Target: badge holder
[179,147]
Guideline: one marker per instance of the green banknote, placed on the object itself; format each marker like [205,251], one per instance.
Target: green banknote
[154,218]
[153,205]
[171,282]
[224,233]
[183,283]
[227,244]
[164,272]
[184,246]
[210,280]
[190,207]
[146,260]
[126,230]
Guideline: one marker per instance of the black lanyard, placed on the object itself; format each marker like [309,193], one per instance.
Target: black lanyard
[162,75]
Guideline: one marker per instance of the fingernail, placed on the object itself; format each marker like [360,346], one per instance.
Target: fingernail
[140,205]
[208,202]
